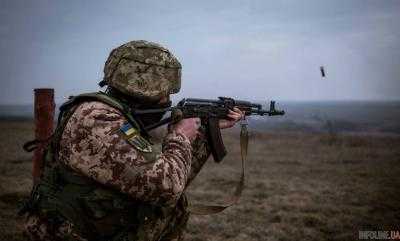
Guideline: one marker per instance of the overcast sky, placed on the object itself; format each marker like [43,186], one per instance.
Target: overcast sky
[245,49]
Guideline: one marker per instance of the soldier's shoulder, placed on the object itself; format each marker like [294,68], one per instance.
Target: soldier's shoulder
[97,110]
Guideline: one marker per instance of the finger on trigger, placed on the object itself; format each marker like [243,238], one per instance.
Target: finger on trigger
[231,117]
[237,110]
[237,115]
[231,113]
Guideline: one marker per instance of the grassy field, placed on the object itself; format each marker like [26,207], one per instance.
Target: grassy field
[299,186]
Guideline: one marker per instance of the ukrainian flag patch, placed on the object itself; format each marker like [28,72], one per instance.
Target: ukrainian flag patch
[134,138]
[128,130]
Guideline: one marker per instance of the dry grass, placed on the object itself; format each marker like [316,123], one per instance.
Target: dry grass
[15,175]
[299,187]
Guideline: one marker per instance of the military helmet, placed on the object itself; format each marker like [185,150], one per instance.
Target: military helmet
[143,69]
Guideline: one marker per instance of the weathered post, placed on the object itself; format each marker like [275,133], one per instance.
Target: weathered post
[44,123]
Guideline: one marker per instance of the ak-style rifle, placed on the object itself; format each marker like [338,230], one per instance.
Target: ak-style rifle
[210,112]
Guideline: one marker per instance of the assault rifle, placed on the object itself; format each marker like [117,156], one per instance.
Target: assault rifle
[210,112]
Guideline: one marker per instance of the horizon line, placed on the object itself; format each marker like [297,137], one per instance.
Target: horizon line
[277,100]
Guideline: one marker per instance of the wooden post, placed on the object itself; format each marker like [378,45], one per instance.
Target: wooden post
[44,124]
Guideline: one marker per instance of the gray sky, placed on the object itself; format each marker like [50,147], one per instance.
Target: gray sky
[245,49]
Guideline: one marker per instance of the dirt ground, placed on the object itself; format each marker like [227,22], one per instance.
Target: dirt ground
[299,186]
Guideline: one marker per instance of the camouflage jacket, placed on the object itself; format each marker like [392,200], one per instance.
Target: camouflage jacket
[93,146]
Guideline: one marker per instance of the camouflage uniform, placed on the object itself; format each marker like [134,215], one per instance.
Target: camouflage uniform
[92,146]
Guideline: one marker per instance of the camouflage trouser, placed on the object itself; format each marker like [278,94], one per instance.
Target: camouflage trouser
[163,229]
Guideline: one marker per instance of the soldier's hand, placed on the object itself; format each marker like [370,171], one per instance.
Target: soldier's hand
[188,127]
[234,116]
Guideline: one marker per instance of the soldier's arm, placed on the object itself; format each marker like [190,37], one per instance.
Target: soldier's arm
[93,146]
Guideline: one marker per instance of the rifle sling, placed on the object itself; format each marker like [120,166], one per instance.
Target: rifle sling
[199,209]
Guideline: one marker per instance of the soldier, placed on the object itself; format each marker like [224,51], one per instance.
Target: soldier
[104,179]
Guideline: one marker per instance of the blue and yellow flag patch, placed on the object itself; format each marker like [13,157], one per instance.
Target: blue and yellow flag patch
[134,138]
[128,130]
